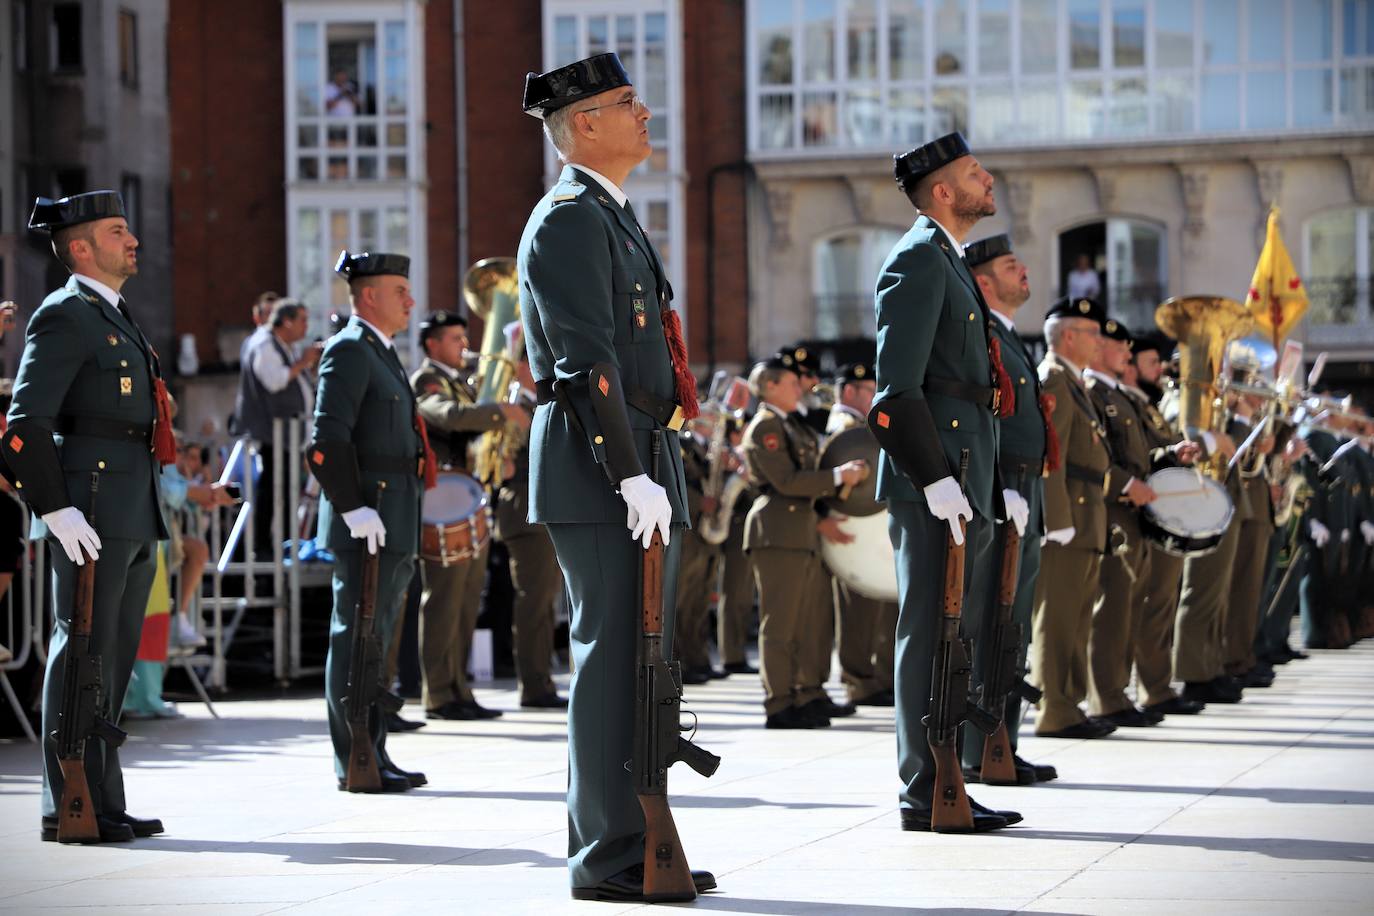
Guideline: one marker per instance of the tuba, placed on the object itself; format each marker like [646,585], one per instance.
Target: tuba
[492,291]
[1204,327]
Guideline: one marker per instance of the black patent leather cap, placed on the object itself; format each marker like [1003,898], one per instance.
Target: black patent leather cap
[367,264]
[984,250]
[51,214]
[910,167]
[546,92]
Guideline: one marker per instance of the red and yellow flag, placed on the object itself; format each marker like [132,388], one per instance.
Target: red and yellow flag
[1277,298]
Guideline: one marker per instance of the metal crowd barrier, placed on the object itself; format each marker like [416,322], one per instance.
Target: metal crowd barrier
[22,629]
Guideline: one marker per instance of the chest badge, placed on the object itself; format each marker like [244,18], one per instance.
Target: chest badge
[114,341]
[126,386]
[771,442]
[629,246]
[1111,410]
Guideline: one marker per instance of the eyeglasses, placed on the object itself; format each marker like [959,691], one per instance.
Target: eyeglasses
[636,104]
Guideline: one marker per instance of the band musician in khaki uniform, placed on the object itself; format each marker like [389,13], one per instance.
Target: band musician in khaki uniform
[781,536]
[452,593]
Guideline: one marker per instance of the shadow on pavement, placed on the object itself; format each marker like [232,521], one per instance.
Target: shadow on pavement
[679,801]
[808,907]
[1291,796]
[360,853]
[1276,847]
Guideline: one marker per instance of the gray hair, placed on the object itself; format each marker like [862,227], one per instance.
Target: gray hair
[1054,332]
[762,374]
[558,128]
[284,310]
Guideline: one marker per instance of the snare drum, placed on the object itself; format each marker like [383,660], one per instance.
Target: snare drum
[456,520]
[1190,515]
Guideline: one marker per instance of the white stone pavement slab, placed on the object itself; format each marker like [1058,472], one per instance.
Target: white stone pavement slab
[1260,808]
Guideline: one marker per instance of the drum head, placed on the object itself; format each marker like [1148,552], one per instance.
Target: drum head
[1191,506]
[867,564]
[855,444]
[456,497]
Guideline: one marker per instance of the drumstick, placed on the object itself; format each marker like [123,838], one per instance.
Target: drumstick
[1181,493]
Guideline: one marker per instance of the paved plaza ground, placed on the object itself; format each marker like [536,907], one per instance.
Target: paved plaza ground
[1259,808]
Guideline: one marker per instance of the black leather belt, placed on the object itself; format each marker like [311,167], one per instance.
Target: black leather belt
[1014,464]
[388,464]
[1085,474]
[661,410]
[982,395]
[103,428]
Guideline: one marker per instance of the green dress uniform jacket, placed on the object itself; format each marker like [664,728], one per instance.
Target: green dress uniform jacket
[87,375]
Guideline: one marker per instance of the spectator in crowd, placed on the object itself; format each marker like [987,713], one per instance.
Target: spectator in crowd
[341,96]
[262,311]
[1084,283]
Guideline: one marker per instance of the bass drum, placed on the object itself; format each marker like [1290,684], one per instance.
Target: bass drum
[867,564]
[456,520]
[1190,515]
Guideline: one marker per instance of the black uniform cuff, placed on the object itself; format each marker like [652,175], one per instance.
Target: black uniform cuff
[335,466]
[615,438]
[33,466]
[905,428]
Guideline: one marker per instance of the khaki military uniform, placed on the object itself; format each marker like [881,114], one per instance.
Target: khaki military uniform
[735,605]
[1126,565]
[452,594]
[1250,569]
[1069,573]
[697,566]
[781,455]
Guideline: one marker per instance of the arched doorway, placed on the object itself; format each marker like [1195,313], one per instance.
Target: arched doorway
[1126,257]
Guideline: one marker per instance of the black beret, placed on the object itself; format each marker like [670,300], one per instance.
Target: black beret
[435,321]
[51,215]
[854,372]
[910,167]
[984,250]
[546,92]
[783,359]
[1115,330]
[1154,341]
[807,361]
[1077,308]
[366,264]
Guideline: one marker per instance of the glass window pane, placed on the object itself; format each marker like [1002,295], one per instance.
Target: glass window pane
[367,134]
[1312,102]
[1130,115]
[818,119]
[337,169]
[396,78]
[863,117]
[861,39]
[905,42]
[340,237]
[1358,29]
[1312,28]
[951,37]
[368,239]
[308,72]
[994,36]
[598,35]
[1085,34]
[1083,115]
[994,118]
[775,122]
[1173,97]
[1173,33]
[1038,38]
[308,254]
[1331,268]
[351,65]
[625,46]
[564,38]
[906,117]
[1128,33]
[655,85]
[308,168]
[337,135]
[1357,94]
[658,139]
[818,41]
[396,133]
[1220,101]
[773,23]
[1220,31]
[1039,111]
[397,230]
[1266,31]
[366,168]
[1265,105]
[395,167]
[308,135]
[948,110]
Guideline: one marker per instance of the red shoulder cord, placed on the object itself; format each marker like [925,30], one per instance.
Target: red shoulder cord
[431,468]
[1001,380]
[683,384]
[164,440]
[1052,459]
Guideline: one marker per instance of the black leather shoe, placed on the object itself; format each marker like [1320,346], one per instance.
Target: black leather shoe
[717,674]
[740,668]
[141,826]
[983,821]
[695,676]
[547,701]
[481,712]
[1259,676]
[1296,654]
[629,886]
[1088,728]
[791,717]
[394,723]
[391,782]
[415,777]
[838,710]
[881,698]
[1024,775]
[112,830]
[818,712]
[1043,771]
[1011,817]
[1177,706]
[1130,717]
[453,711]
[1210,692]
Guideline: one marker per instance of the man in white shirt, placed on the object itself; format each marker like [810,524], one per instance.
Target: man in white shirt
[1084,283]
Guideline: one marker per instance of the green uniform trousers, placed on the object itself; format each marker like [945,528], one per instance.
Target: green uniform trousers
[123,578]
[919,541]
[858,643]
[1021,612]
[1064,598]
[786,580]
[393,576]
[694,582]
[1202,603]
[602,567]
[1122,584]
[1153,639]
[735,606]
[1247,590]
[535,578]
[449,606]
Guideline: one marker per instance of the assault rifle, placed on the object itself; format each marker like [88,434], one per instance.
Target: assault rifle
[951,703]
[365,689]
[80,719]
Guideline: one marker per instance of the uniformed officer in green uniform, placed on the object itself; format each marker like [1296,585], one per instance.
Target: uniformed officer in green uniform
[1023,457]
[1330,516]
[939,394]
[610,367]
[85,402]
[453,592]
[367,444]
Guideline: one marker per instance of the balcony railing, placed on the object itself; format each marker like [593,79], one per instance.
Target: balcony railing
[1338,312]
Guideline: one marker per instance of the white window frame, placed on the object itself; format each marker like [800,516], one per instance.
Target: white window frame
[409,193]
[1360,329]
[641,187]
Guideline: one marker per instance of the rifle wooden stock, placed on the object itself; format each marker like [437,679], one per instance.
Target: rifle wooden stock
[999,767]
[950,810]
[76,812]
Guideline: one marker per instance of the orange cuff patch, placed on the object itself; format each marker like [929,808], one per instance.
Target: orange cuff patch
[317,457]
[16,444]
[604,386]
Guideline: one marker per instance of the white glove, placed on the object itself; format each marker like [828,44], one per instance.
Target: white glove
[1320,533]
[72,530]
[647,508]
[1018,510]
[1345,535]
[1367,529]
[1061,536]
[365,524]
[948,503]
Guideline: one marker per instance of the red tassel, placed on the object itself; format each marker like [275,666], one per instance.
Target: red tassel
[1001,380]
[1052,459]
[683,382]
[164,440]
[430,472]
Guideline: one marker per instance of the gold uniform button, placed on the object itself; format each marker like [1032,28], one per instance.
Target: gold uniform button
[954,424]
[1082,500]
[100,464]
[638,288]
[1021,380]
[598,440]
[123,363]
[791,508]
[19,484]
[970,316]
